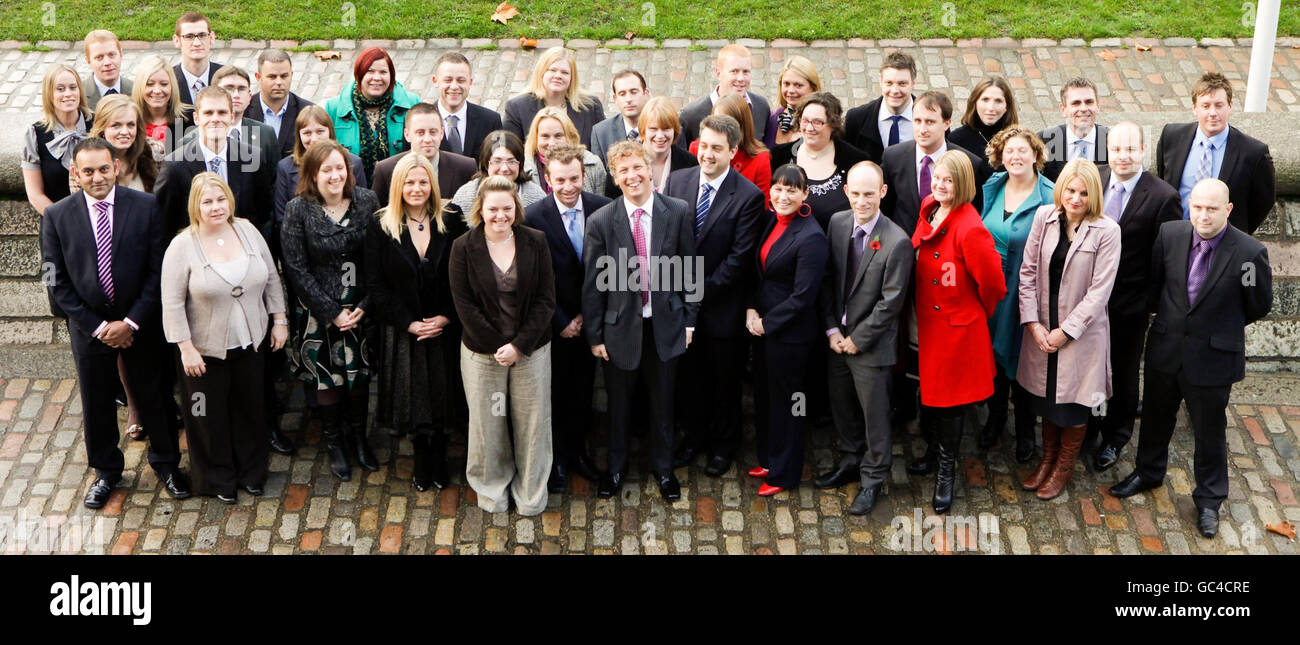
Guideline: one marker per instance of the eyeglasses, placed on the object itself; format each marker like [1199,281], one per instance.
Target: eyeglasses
[503,163]
[202,35]
[815,124]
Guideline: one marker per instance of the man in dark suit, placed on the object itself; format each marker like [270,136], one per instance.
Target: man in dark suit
[238,85]
[194,38]
[863,294]
[1140,202]
[466,124]
[275,105]
[423,130]
[733,69]
[887,120]
[639,254]
[1208,281]
[1079,136]
[728,214]
[104,55]
[1189,152]
[562,217]
[629,95]
[105,246]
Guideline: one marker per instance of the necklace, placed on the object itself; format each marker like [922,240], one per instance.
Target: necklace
[813,155]
[419,221]
[508,238]
[336,213]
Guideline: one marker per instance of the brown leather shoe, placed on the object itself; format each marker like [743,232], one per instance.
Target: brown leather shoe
[1071,443]
[1051,446]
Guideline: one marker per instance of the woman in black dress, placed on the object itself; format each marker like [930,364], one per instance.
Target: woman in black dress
[408,245]
[822,153]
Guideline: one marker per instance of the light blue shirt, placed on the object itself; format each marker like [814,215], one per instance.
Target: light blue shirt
[274,119]
[1194,156]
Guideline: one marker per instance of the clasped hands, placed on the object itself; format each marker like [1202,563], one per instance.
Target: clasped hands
[1048,342]
[427,328]
[348,319]
[841,344]
[117,335]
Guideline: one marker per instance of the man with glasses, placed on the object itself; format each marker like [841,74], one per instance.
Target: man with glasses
[194,38]
[256,134]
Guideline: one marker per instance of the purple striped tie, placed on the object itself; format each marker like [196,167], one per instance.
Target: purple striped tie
[104,248]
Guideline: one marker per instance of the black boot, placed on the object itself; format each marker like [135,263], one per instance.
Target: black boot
[927,463]
[332,429]
[438,473]
[946,477]
[997,423]
[1025,422]
[357,408]
[423,458]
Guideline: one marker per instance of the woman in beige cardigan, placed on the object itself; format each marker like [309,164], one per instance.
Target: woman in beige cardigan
[219,290]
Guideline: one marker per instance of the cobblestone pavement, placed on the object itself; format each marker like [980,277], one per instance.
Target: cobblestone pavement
[43,477]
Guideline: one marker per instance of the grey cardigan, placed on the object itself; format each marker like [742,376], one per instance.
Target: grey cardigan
[197,303]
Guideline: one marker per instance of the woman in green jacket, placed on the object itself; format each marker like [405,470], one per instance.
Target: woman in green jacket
[371,110]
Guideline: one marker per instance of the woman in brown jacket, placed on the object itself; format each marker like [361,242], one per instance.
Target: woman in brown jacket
[1069,268]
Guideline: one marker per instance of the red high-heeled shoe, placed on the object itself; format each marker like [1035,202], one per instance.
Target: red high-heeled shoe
[758,471]
[767,490]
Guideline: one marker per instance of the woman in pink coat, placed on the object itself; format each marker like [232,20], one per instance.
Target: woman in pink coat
[1066,277]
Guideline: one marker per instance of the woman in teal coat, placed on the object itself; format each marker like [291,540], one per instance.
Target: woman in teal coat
[371,110]
[1010,198]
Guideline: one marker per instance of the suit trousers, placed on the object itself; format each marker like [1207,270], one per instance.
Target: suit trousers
[225,422]
[709,391]
[573,378]
[859,397]
[656,377]
[781,408]
[97,374]
[1127,338]
[1206,407]
[509,429]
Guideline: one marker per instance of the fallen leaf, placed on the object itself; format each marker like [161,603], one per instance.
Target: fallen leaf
[1143,48]
[1285,529]
[628,35]
[505,11]
[527,43]
[1107,55]
[328,54]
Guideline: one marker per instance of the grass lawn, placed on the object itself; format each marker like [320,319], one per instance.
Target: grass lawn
[32,20]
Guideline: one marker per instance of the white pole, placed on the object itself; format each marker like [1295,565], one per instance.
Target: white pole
[1261,55]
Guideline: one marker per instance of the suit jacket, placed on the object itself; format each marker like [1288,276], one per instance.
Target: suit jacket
[251,179]
[544,215]
[786,287]
[1152,203]
[258,135]
[185,95]
[521,109]
[68,247]
[727,242]
[474,290]
[1058,149]
[611,308]
[1206,339]
[606,134]
[293,105]
[874,306]
[862,129]
[479,122]
[902,203]
[394,279]
[696,110]
[92,90]
[1247,170]
[453,172]
[678,158]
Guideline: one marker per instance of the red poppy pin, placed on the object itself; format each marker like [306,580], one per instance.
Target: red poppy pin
[875,243]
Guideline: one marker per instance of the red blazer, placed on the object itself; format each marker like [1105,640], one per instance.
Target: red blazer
[958,283]
[756,169]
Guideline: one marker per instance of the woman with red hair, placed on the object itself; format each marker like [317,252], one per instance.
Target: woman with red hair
[371,110]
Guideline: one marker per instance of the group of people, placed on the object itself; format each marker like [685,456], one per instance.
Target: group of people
[863,268]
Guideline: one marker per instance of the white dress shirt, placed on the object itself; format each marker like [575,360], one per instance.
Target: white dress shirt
[646,218]
[1070,138]
[94,225]
[904,124]
[460,115]
[934,159]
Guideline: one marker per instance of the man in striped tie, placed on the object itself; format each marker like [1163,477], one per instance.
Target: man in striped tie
[102,251]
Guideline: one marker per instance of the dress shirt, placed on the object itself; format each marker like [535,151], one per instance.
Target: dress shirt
[884,123]
[94,224]
[1128,189]
[460,115]
[934,161]
[274,119]
[868,229]
[1194,156]
[103,89]
[190,78]
[1070,138]
[646,218]
[713,193]
[582,223]
[713,97]
[209,155]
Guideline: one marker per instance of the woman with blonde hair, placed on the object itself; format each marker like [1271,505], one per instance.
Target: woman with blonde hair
[160,104]
[120,122]
[752,160]
[798,79]
[407,250]
[659,128]
[219,291]
[47,147]
[554,83]
[552,126]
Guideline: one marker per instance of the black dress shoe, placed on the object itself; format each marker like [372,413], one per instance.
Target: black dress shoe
[1105,457]
[559,480]
[840,476]
[281,443]
[1132,485]
[227,498]
[669,488]
[685,454]
[177,485]
[582,465]
[609,484]
[99,492]
[865,502]
[718,466]
[1207,522]
[255,491]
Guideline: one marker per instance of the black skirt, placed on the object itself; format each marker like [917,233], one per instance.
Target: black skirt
[413,392]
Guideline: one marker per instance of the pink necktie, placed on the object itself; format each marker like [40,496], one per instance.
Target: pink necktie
[638,238]
[104,248]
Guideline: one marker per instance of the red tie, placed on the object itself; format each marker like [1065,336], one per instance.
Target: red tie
[638,238]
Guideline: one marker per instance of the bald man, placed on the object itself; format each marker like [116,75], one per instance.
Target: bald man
[1208,281]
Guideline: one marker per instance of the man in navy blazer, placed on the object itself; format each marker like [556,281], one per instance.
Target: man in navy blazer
[728,212]
[887,120]
[1208,281]
[275,104]
[732,69]
[1080,135]
[640,297]
[102,248]
[1189,152]
[563,218]
[194,38]
[466,124]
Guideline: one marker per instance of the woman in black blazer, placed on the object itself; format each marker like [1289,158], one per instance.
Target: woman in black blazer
[782,315]
[555,83]
[408,247]
[504,288]
[820,120]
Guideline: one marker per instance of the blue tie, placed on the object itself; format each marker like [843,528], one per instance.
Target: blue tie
[571,225]
[702,208]
[893,129]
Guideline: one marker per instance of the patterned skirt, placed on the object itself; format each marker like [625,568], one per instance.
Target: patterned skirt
[323,354]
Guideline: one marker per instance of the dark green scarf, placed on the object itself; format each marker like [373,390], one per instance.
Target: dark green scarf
[374,141]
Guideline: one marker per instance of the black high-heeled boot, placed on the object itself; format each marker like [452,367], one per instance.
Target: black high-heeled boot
[332,429]
[945,479]
[358,407]
[926,464]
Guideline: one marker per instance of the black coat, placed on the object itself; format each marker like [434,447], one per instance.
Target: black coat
[319,255]
[479,122]
[1247,170]
[521,109]
[474,290]
[1152,203]
[393,276]
[862,129]
[1058,152]
[544,216]
[453,171]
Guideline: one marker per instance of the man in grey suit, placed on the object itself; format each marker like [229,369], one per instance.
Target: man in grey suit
[630,94]
[639,254]
[1079,136]
[104,55]
[732,69]
[863,295]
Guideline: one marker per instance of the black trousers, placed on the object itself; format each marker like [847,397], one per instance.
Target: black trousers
[98,377]
[1206,406]
[656,377]
[225,422]
[709,391]
[859,396]
[1127,339]
[573,377]
[781,408]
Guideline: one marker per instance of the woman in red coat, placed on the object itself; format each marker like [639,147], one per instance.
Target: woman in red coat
[958,283]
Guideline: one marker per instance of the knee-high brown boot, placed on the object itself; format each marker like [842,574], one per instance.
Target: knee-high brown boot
[1051,446]
[1071,442]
